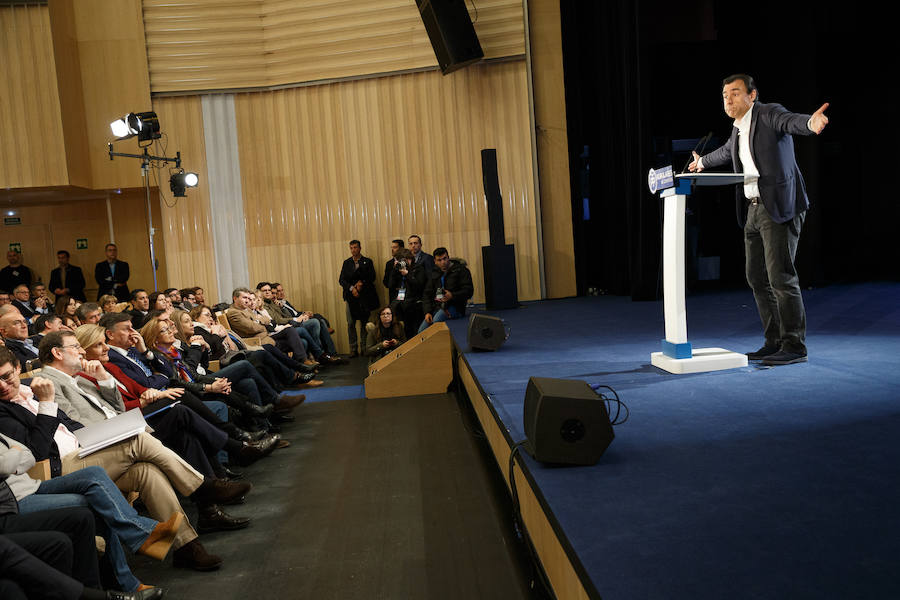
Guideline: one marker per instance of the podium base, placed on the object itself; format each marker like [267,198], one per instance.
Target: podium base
[703,360]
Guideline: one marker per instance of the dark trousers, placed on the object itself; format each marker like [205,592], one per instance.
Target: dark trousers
[770,249]
[191,437]
[77,527]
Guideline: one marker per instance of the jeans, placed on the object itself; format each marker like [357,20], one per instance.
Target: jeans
[442,314]
[309,331]
[247,380]
[770,248]
[92,487]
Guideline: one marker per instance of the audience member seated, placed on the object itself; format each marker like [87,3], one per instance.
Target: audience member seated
[408,278]
[159,301]
[118,522]
[135,394]
[65,308]
[89,312]
[447,290]
[108,303]
[14,329]
[253,398]
[88,394]
[383,336]
[217,345]
[288,310]
[247,322]
[141,463]
[51,554]
[46,324]
[309,329]
[140,307]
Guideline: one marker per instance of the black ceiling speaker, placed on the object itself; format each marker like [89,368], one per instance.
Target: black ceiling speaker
[451,33]
[486,332]
[566,422]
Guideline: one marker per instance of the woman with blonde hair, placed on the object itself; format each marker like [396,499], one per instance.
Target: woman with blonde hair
[108,303]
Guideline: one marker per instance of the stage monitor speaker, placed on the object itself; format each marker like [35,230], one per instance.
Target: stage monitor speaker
[486,332]
[566,422]
[451,33]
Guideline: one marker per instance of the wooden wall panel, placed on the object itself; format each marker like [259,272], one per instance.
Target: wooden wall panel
[378,159]
[186,222]
[47,228]
[226,44]
[100,49]
[32,152]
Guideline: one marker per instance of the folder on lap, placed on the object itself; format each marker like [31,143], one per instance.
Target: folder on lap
[98,436]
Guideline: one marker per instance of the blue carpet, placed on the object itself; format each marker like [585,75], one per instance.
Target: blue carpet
[757,482]
[326,394]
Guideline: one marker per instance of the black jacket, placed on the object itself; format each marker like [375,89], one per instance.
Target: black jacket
[367,301]
[457,279]
[74,281]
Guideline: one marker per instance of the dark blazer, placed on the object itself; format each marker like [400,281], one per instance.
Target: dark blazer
[11,276]
[26,309]
[36,431]
[21,352]
[367,301]
[105,280]
[426,260]
[138,319]
[74,281]
[781,187]
[155,380]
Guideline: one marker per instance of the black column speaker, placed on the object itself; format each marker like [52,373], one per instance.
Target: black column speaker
[566,422]
[451,33]
[499,259]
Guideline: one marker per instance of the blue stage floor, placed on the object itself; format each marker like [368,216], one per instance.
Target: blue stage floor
[776,482]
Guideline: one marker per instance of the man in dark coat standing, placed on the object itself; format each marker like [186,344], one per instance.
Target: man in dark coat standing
[358,283]
[771,208]
[112,275]
[66,279]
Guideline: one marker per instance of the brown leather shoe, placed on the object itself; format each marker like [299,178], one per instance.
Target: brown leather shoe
[219,491]
[311,384]
[160,539]
[287,402]
[194,556]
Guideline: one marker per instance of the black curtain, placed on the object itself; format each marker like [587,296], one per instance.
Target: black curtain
[642,73]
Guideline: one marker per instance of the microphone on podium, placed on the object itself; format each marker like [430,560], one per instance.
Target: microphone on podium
[704,140]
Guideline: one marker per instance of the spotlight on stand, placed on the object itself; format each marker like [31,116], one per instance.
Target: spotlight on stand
[144,125]
[181,180]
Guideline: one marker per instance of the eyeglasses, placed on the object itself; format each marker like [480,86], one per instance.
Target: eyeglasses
[8,377]
[165,330]
[71,346]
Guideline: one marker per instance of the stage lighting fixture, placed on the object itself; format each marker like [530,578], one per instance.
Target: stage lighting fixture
[181,180]
[144,125]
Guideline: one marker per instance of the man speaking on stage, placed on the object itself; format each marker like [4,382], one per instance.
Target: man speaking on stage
[771,208]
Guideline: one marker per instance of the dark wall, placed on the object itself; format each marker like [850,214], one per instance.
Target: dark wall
[641,74]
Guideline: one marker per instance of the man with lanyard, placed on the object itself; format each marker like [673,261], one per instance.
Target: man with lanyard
[447,290]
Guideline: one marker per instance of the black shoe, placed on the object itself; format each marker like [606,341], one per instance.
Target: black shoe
[149,594]
[194,556]
[257,411]
[327,359]
[250,453]
[306,369]
[212,518]
[783,357]
[219,491]
[233,475]
[763,352]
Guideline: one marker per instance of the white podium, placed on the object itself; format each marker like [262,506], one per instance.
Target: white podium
[677,356]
